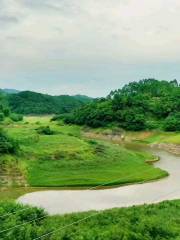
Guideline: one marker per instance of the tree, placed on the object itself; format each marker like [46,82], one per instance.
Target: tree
[46,130]
[137,106]
[172,122]
[6,111]
[16,117]
[1,116]
[7,145]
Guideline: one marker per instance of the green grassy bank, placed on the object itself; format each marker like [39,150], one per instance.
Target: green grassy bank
[67,159]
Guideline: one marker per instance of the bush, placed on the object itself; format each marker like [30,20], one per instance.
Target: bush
[1,117]
[147,222]
[66,117]
[153,124]
[172,123]
[16,117]
[46,130]
[6,112]
[7,145]
[16,216]
[132,121]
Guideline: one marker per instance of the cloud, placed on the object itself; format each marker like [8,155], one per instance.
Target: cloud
[8,19]
[72,39]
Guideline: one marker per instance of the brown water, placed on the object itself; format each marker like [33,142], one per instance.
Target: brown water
[67,201]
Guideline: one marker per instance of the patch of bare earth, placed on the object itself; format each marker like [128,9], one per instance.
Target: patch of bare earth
[116,138]
[11,177]
[172,148]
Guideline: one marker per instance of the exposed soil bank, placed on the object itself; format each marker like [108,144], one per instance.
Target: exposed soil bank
[169,147]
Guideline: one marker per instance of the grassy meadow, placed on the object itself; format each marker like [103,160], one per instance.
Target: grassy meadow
[68,159]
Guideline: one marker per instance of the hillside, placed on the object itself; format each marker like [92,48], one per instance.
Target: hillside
[54,155]
[28,102]
[147,104]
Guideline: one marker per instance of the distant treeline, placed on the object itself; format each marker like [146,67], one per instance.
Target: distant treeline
[28,102]
[147,104]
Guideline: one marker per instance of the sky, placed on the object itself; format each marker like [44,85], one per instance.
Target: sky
[87,46]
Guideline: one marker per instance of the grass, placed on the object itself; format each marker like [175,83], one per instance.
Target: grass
[146,222]
[142,222]
[162,137]
[12,193]
[148,137]
[67,159]
[92,170]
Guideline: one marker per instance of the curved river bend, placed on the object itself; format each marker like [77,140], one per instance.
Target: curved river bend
[68,201]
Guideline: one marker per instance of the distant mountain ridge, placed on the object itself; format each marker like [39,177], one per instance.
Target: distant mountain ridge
[29,102]
[10,91]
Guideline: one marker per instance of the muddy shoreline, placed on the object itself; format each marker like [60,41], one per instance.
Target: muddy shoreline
[169,147]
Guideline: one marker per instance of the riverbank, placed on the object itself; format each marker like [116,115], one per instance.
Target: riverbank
[172,148]
[80,158]
[60,202]
[168,141]
[66,158]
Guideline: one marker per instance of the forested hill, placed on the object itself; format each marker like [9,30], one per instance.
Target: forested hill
[28,102]
[147,104]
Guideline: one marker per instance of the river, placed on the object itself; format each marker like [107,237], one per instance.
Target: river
[68,201]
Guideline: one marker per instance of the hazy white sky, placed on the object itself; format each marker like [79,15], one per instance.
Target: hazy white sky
[87,46]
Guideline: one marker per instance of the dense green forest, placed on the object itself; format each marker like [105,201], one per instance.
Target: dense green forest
[28,102]
[147,104]
[134,223]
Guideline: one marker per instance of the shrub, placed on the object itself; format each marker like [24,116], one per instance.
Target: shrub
[46,130]
[153,124]
[6,112]
[7,145]
[1,117]
[16,216]
[16,117]
[172,123]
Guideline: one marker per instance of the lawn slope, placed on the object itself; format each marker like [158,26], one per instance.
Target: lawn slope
[67,159]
